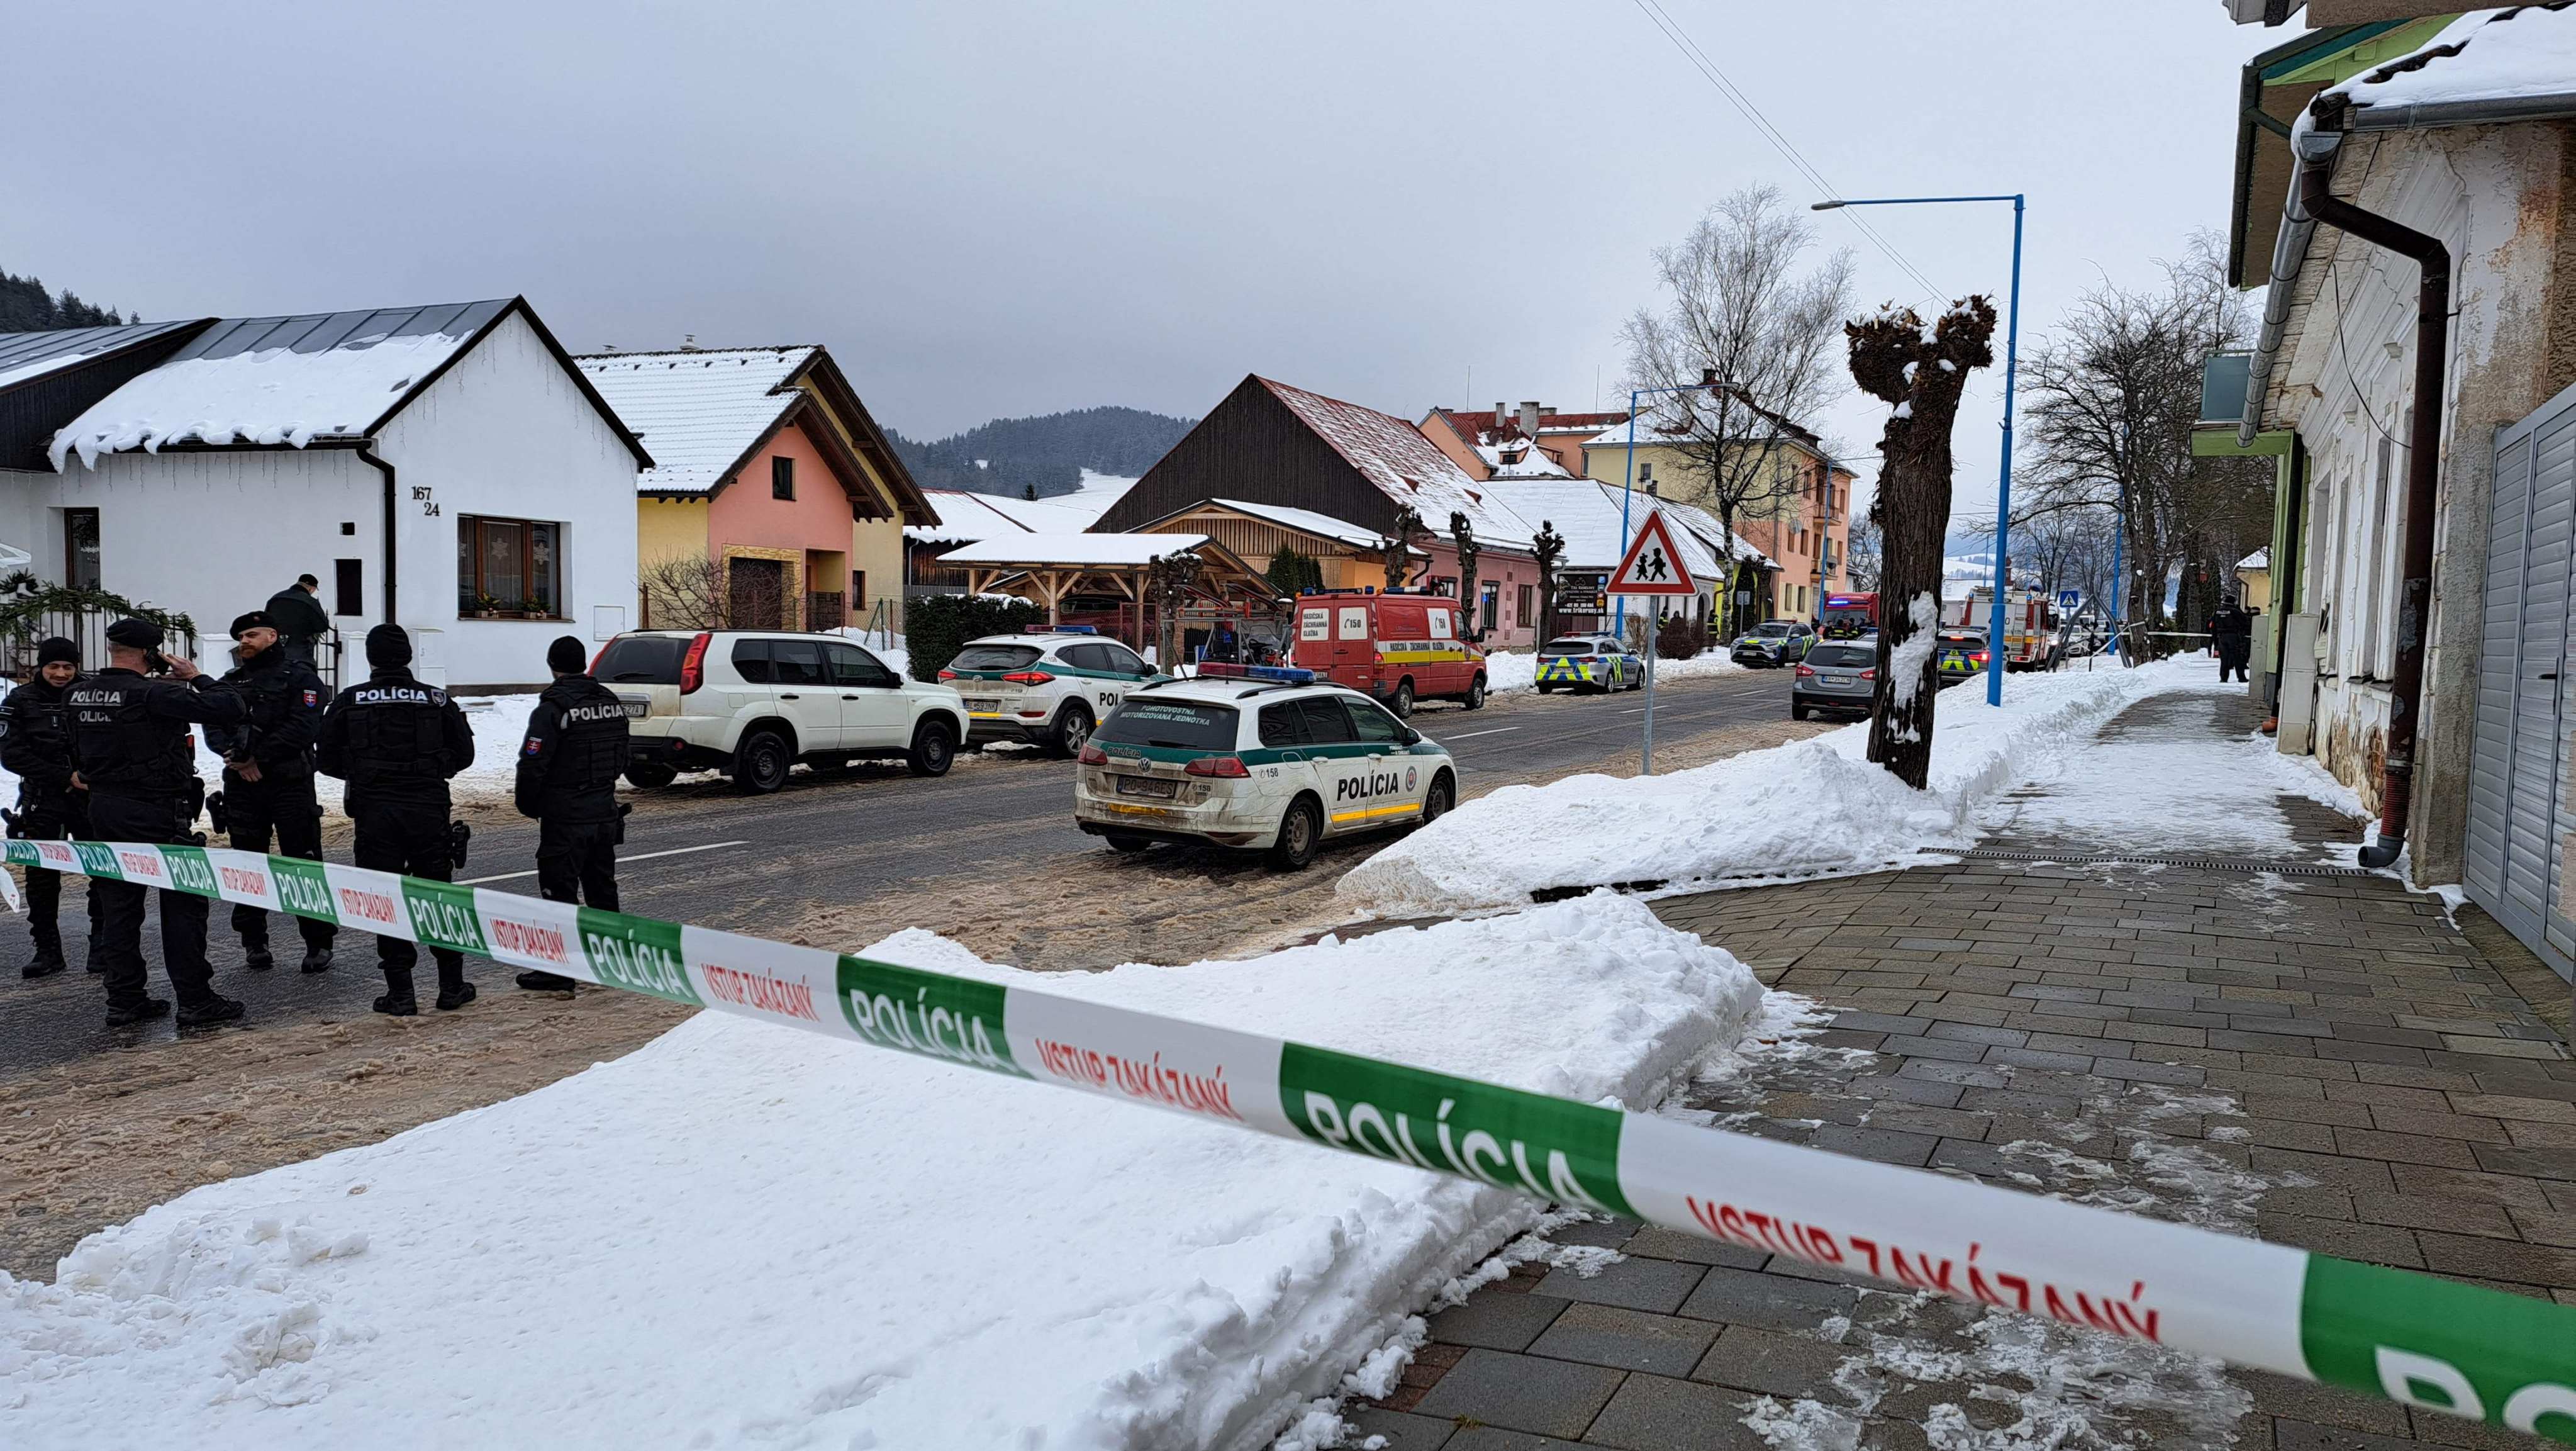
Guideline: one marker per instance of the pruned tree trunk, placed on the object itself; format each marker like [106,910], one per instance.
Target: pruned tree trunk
[1463,539]
[1548,547]
[1921,370]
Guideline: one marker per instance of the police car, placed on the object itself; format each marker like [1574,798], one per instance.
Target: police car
[1589,662]
[1256,757]
[1047,687]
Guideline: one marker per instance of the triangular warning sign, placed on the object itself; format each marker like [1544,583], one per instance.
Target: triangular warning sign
[1653,566]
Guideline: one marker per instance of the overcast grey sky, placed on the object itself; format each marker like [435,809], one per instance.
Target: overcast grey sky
[994,209]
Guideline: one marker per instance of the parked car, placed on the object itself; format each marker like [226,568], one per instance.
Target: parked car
[1959,655]
[752,703]
[1264,758]
[1775,642]
[1396,647]
[1589,662]
[1046,687]
[1836,676]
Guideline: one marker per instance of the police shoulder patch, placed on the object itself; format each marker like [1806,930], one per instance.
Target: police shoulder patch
[533,746]
[313,697]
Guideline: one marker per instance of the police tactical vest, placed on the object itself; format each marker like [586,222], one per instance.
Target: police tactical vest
[123,749]
[590,749]
[397,734]
[276,688]
[36,720]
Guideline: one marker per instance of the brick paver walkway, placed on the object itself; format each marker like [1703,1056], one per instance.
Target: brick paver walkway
[2322,1060]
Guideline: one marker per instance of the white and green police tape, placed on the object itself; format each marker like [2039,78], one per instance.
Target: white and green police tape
[2414,1338]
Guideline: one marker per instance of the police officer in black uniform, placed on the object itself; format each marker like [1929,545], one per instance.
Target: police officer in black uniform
[36,747]
[131,742]
[396,742]
[268,774]
[568,771]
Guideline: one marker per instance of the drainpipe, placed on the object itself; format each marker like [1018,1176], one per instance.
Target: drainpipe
[367,456]
[2423,458]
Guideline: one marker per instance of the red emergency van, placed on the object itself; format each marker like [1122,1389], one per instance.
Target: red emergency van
[1396,645]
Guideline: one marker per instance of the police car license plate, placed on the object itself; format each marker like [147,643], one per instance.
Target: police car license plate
[984,705]
[1147,786]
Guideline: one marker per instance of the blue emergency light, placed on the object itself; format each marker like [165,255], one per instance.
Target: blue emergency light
[1067,630]
[1284,674]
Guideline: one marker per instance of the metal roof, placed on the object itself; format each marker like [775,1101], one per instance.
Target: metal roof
[29,355]
[320,332]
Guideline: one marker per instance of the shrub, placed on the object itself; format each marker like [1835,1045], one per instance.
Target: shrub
[1679,638]
[936,627]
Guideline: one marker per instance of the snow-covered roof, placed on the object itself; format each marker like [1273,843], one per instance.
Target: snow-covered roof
[24,356]
[1079,549]
[963,516]
[1520,460]
[273,381]
[1394,456]
[2259,559]
[1075,511]
[2521,52]
[1586,513]
[699,411]
[1322,526]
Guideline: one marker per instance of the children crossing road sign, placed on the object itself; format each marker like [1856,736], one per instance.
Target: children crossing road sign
[1653,565]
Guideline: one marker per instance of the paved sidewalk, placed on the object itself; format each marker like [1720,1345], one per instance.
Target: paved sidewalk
[2319,1059]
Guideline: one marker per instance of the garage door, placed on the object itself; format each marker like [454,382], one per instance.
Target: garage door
[2519,806]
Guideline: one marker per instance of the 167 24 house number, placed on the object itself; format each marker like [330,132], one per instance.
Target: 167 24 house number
[420,494]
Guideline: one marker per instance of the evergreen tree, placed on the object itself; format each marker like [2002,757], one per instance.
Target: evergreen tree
[1291,572]
[1045,456]
[25,307]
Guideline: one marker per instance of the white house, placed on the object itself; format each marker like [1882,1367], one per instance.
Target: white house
[445,467]
[2415,381]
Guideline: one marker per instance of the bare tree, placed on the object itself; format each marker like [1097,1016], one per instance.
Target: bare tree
[1861,554]
[2114,395]
[694,592]
[1921,370]
[1548,547]
[1171,577]
[1465,539]
[1742,317]
[1399,562]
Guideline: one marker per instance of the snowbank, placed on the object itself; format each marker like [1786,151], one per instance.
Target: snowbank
[741,1236]
[1799,809]
[1518,669]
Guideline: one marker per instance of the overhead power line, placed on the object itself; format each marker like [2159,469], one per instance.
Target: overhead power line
[1655,15]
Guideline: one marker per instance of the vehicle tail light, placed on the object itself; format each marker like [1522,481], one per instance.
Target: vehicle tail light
[1094,756]
[1805,669]
[947,674]
[1979,657]
[1870,674]
[1029,677]
[1230,767]
[693,665]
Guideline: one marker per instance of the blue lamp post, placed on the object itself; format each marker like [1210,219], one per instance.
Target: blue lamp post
[2003,490]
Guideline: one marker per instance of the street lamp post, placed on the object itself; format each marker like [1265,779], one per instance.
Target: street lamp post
[1627,492]
[2003,489]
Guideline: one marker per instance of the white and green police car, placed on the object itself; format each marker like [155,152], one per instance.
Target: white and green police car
[1256,757]
[1047,687]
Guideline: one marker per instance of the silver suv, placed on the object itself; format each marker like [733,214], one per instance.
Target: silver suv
[752,703]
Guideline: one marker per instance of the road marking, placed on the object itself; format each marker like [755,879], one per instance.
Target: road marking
[621,861]
[1471,735]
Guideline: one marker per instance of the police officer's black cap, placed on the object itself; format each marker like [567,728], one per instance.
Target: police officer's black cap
[388,645]
[255,620]
[566,657]
[55,647]
[139,634]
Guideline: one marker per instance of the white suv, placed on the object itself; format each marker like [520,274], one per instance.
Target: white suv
[1046,687]
[752,703]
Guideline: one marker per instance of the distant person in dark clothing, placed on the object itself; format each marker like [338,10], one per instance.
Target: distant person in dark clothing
[2231,631]
[268,775]
[301,621]
[396,742]
[568,769]
[36,746]
[130,737]
[1223,645]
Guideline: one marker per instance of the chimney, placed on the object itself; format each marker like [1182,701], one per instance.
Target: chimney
[1529,417]
[688,342]
[1708,377]
[1502,418]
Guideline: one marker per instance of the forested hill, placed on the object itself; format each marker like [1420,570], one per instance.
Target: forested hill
[1047,454]
[25,307]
